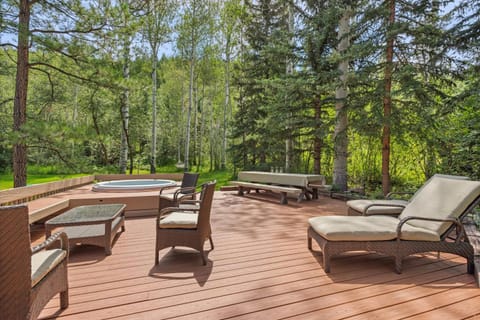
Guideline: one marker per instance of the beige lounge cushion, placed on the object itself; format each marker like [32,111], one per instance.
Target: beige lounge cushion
[442,198]
[367,228]
[358,228]
[44,261]
[410,232]
[180,220]
[361,204]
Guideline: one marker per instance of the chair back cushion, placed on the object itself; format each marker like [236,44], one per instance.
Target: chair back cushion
[441,198]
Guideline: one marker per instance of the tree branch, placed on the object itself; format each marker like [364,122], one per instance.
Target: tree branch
[69,31]
[69,74]
[6,101]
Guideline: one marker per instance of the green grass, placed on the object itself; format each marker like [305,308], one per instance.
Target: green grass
[6,180]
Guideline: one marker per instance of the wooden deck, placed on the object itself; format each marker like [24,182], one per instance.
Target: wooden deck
[260,269]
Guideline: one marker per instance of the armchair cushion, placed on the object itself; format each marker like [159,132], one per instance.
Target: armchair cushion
[364,228]
[179,220]
[44,261]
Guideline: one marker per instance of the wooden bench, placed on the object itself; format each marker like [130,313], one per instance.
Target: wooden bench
[320,187]
[247,186]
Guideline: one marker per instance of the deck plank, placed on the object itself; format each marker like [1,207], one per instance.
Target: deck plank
[260,268]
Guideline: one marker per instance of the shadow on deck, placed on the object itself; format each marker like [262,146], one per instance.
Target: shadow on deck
[260,268]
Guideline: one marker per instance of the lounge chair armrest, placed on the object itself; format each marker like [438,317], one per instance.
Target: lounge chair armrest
[189,201]
[167,188]
[391,195]
[165,211]
[183,191]
[51,241]
[365,210]
[458,224]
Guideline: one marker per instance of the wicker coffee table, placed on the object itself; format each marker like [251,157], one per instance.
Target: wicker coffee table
[92,224]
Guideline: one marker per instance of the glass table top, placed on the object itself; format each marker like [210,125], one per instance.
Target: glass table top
[88,213]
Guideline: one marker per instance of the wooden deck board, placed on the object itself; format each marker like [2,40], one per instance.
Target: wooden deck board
[260,268]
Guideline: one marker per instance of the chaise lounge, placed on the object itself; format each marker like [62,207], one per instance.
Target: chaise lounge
[427,224]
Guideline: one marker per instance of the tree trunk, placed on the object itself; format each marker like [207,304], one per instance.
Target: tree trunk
[202,109]
[289,72]
[153,155]
[317,140]
[226,105]
[387,103]
[189,112]
[20,101]
[340,135]
[124,109]
[195,108]
[181,130]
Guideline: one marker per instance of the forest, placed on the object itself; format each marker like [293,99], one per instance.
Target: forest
[372,94]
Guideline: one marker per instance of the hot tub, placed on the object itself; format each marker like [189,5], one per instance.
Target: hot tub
[134,185]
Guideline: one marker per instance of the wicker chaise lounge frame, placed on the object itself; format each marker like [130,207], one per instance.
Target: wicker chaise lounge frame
[18,299]
[398,248]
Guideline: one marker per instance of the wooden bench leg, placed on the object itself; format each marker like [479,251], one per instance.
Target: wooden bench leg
[283,198]
[240,191]
[301,196]
[314,193]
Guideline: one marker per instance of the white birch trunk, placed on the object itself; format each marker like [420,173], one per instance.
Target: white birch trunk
[341,93]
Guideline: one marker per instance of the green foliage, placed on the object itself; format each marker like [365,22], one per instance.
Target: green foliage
[76,82]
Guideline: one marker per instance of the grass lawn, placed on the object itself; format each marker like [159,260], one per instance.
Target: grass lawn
[6,180]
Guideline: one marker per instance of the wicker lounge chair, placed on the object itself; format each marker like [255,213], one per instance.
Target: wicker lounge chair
[29,277]
[392,205]
[186,191]
[187,225]
[426,224]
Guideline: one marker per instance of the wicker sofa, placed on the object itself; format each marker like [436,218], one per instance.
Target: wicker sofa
[427,223]
[30,277]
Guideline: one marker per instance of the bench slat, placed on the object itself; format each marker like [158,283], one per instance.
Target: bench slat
[273,188]
[266,187]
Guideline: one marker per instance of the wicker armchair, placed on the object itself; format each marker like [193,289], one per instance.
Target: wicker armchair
[30,277]
[186,191]
[431,222]
[187,225]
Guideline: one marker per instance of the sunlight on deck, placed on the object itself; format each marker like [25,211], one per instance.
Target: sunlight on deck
[260,269]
